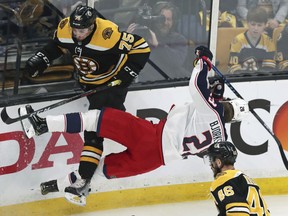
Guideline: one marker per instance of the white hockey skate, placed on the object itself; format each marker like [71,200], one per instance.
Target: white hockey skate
[34,125]
[78,191]
[25,123]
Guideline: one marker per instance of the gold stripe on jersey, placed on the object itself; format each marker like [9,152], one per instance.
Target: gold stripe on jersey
[140,46]
[269,63]
[283,65]
[91,148]
[91,154]
[89,159]
[100,79]
[235,68]
[224,177]
[237,209]
[140,51]
[140,43]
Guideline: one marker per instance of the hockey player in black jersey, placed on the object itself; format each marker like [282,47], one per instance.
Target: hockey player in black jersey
[234,193]
[101,53]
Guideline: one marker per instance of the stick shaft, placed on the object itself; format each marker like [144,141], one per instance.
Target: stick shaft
[6,119]
[283,156]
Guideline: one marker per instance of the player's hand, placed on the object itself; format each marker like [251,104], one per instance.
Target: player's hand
[126,75]
[205,54]
[216,87]
[36,64]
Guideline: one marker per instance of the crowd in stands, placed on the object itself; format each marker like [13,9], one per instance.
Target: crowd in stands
[173,28]
[260,47]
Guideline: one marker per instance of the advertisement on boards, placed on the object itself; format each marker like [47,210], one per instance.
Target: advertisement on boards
[25,163]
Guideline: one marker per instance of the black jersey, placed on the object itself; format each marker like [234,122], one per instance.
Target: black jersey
[246,57]
[101,55]
[282,51]
[236,194]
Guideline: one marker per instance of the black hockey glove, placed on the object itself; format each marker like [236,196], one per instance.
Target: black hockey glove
[217,87]
[126,75]
[204,53]
[36,64]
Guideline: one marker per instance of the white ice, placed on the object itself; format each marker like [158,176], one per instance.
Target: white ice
[278,206]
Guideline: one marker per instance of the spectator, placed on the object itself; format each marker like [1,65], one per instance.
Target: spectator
[169,47]
[234,192]
[282,50]
[277,10]
[227,14]
[253,50]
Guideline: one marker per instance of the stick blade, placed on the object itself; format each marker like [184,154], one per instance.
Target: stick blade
[4,116]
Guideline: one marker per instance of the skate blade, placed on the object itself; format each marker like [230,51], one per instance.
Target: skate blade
[76,200]
[26,126]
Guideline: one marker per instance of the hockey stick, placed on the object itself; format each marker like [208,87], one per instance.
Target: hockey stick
[6,119]
[283,156]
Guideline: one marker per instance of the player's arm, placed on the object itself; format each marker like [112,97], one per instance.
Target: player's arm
[42,59]
[138,52]
[199,85]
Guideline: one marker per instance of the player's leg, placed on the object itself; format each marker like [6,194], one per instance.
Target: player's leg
[93,144]
[142,139]
[70,123]
[89,160]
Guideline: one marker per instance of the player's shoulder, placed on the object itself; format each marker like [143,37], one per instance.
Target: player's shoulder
[106,35]
[63,30]
[223,177]
[64,22]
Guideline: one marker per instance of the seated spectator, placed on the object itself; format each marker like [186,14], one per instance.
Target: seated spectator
[253,50]
[169,48]
[227,14]
[282,50]
[277,10]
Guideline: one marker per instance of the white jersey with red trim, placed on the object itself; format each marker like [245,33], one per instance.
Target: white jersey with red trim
[192,127]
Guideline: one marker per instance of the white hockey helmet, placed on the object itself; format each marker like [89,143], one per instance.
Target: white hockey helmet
[240,107]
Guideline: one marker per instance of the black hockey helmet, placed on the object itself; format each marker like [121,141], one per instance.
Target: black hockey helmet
[82,17]
[225,151]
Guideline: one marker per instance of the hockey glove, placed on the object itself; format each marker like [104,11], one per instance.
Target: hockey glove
[204,53]
[126,75]
[217,87]
[36,64]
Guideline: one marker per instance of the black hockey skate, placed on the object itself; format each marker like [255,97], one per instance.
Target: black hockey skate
[39,125]
[78,191]
[48,187]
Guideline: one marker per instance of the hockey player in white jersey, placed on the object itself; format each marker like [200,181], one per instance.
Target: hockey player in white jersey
[189,129]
